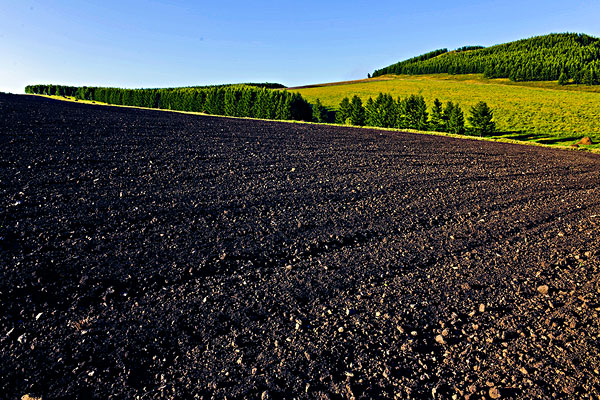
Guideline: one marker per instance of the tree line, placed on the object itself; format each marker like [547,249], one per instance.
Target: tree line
[261,102]
[569,57]
[230,100]
[411,113]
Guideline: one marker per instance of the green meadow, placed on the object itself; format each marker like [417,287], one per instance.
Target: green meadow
[542,112]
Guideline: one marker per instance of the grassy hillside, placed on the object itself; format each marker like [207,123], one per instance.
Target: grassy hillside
[541,110]
[542,58]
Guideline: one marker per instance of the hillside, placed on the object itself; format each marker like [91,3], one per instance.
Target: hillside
[538,110]
[540,58]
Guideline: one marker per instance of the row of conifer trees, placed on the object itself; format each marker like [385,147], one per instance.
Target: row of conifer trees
[231,100]
[411,113]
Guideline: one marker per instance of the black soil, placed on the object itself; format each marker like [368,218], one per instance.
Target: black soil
[146,254]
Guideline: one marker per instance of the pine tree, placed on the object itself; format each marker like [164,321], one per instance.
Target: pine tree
[286,113]
[563,79]
[272,101]
[481,119]
[245,105]
[230,103]
[456,121]
[280,107]
[588,77]
[259,108]
[420,113]
[319,113]
[300,109]
[344,111]
[357,112]
[199,100]
[212,102]
[370,112]
[403,111]
[378,117]
[446,116]
[389,111]
[437,121]
[412,113]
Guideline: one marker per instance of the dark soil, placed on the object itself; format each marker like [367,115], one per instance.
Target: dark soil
[151,254]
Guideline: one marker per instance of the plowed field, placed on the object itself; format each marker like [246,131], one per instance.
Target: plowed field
[146,254]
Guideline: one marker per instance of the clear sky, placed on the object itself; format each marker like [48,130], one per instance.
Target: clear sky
[159,43]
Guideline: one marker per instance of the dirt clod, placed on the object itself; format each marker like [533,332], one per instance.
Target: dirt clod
[494,393]
[586,141]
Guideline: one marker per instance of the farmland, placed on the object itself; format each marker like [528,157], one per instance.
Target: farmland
[153,254]
[542,111]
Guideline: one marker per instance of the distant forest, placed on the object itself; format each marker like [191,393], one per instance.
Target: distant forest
[567,57]
[244,100]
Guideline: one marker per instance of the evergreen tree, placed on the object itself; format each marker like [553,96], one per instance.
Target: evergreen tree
[403,110]
[280,107]
[370,112]
[319,112]
[344,111]
[245,105]
[261,104]
[446,116]
[300,109]
[563,79]
[588,77]
[357,112]
[456,121]
[200,101]
[230,102]
[412,113]
[389,111]
[272,101]
[286,113]
[212,105]
[437,120]
[419,113]
[481,119]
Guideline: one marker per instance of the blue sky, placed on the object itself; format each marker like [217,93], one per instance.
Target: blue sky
[162,43]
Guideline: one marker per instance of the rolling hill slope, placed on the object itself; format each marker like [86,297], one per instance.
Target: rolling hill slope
[540,58]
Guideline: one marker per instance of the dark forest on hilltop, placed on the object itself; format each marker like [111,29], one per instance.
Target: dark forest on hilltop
[567,57]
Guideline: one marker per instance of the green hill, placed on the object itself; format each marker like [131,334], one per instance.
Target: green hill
[540,58]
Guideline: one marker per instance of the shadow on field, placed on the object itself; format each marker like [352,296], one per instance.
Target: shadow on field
[559,140]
